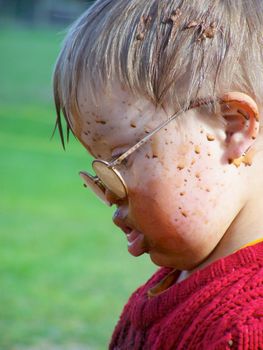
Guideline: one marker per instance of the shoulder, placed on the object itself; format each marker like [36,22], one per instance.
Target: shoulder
[246,332]
[247,327]
[239,321]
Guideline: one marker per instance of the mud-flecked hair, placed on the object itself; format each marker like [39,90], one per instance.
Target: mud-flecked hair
[163,50]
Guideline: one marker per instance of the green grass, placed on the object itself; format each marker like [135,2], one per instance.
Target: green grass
[64,269]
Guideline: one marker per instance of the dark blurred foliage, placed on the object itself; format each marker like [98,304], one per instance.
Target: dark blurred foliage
[34,12]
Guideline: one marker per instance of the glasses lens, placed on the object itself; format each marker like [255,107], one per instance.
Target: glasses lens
[110,177]
[92,182]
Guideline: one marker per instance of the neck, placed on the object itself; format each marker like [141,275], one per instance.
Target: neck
[247,227]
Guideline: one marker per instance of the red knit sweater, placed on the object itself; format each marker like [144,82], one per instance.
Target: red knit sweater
[219,307]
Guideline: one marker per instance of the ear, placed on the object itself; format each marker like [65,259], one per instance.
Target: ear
[242,123]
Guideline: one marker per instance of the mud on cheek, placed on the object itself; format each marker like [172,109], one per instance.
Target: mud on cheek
[158,204]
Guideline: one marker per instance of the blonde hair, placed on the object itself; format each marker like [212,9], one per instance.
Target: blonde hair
[163,50]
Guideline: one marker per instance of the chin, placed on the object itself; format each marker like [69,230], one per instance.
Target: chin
[162,260]
[181,264]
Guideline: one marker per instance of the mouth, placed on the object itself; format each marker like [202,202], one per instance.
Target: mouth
[136,243]
[135,238]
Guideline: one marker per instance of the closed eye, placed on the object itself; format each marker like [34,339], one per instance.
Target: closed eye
[126,162]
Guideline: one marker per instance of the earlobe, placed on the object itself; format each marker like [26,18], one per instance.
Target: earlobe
[242,124]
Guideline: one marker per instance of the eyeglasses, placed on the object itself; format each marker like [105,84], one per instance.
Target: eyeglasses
[107,175]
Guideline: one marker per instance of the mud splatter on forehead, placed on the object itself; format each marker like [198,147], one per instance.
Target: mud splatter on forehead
[119,119]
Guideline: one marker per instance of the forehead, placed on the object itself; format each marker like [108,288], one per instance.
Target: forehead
[114,121]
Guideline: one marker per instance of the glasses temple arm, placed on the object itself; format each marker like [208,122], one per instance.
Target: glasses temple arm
[194,104]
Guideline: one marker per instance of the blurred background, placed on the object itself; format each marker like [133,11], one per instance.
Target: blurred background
[65,272]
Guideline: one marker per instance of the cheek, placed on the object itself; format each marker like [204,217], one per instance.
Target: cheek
[178,195]
[172,206]
[180,224]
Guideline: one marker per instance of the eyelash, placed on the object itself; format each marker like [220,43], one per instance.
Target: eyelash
[125,161]
[128,162]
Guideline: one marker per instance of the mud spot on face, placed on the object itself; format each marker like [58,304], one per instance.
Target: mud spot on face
[154,146]
[103,122]
[246,159]
[184,214]
[197,175]
[197,149]
[210,137]
[147,130]
[180,166]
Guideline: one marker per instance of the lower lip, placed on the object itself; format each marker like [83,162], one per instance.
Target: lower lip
[136,243]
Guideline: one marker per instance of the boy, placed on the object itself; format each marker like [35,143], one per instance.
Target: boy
[167,96]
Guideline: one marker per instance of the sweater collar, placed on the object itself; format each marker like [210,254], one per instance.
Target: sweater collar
[169,279]
[220,273]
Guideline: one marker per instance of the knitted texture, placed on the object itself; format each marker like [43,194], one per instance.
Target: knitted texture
[219,307]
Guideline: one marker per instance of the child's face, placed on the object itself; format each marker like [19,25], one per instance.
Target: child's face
[182,193]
